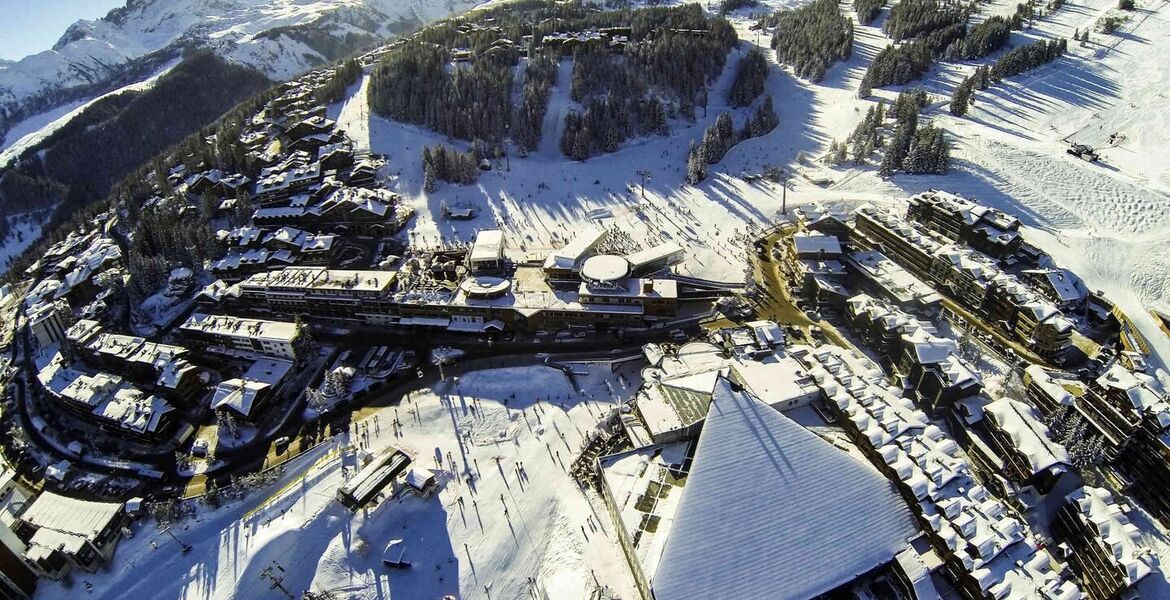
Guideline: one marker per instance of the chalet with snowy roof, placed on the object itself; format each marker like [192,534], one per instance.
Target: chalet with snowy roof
[296,173]
[986,551]
[336,156]
[964,273]
[1017,443]
[248,395]
[970,278]
[929,364]
[216,183]
[315,125]
[1034,321]
[817,218]
[885,279]
[161,367]
[363,174]
[241,237]
[75,274]
[63,533]
[344,210]
[107,401]
[1145,461]
[988,230]
[1106,549]
[1060,286]
[1055,394]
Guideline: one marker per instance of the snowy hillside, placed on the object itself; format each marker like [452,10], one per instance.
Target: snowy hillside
[279,37]
[1105,221]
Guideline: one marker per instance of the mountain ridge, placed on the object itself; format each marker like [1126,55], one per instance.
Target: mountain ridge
[280,38]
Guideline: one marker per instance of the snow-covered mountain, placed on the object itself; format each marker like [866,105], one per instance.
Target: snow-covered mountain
[279,37]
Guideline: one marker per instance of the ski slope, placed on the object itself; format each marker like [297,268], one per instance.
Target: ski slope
[459,542]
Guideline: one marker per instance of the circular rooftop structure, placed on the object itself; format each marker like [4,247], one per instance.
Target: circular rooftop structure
[485,287]
[605,268]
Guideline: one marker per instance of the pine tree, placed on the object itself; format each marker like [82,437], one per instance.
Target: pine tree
[696,164]
[900,146]
[866,89]
[961,98]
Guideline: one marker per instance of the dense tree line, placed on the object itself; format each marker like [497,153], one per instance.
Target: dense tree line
[343,76]
[470,101]
[322,37]
[626,94]
[929,152]
[750,75]
[608,121]
[914,149]
[679,65]
[985,38]
[1026,58]
[721,136]
[812,37]
[22,192]
[441,163]
[864,140]
[912,19]
[727,7]
[868,10]
[539,78]
[896,65]
[674,51]
[164,237]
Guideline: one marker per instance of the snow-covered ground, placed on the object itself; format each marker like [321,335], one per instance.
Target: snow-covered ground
[1105,221]
[23,231]
[460,542]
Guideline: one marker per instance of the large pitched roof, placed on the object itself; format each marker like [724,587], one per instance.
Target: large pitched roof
[770,510]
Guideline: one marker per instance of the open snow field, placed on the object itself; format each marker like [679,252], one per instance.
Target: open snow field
[473,432]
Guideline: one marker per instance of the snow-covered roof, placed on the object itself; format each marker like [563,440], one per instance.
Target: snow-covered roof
[572,253]
[1144,392]
[979,530]
[653,254]
[240,394]
[488,246]
[68,522]
[1044,380]
[318,278]
[814,243]
[241,327]
[1021,424]
[770,510]
[1120,537]
[891,277]
[1065,285]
